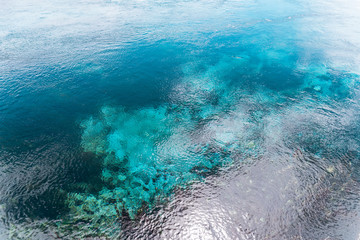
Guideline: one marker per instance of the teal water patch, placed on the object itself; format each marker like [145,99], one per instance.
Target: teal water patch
[146,153]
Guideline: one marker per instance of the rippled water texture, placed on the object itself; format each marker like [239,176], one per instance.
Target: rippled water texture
[179,119]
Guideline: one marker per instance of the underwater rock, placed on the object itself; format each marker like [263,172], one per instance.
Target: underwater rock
[146,153]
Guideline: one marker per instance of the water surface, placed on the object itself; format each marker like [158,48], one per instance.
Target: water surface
[179,119]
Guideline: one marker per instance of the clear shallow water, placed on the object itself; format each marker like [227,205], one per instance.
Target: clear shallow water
[243,115]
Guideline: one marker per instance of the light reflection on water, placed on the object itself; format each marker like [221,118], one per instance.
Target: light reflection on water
[282,77]
[286,193]
[267,199]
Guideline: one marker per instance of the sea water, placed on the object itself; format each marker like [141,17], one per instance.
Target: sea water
[179,119]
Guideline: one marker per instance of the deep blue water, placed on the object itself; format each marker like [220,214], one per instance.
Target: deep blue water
[179,119]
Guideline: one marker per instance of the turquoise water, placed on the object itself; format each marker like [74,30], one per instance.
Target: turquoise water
[179,120]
